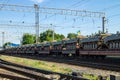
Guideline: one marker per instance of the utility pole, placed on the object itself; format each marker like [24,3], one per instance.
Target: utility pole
[3,37]
[46,10]
[53,31]
[37,21]
[103,24]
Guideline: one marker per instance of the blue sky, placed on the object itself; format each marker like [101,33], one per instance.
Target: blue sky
[62,24]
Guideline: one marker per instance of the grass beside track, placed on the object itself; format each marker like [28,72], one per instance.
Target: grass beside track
[44,65]
[36,64]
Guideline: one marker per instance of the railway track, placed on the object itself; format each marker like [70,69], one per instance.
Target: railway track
[88,63]
[33,73]
[106,64]
[11,77]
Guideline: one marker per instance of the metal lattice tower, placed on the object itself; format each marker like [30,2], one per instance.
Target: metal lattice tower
[44,10]
[37,22]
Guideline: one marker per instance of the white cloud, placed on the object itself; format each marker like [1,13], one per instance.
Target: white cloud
[37,1]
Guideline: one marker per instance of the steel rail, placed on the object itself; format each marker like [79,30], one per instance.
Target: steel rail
[12,77]
[62,76]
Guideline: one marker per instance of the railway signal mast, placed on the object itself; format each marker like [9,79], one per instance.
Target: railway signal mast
[44,10]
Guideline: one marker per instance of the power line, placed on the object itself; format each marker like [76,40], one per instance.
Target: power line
[23,26]
[82,1]
[111,7]
[113,16]
[76,3]
[4,3]
[45,10]
[48,17]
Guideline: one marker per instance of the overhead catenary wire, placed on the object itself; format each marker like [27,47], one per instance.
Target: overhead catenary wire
[73,5]
[54,11]
[5,2]
[110,7]
[76,3]
[81,3]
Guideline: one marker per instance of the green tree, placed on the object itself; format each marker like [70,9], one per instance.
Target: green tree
[28,39]
[48,36]
[62,36]
[71,35]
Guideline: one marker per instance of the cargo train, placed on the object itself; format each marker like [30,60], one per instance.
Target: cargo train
[97,46]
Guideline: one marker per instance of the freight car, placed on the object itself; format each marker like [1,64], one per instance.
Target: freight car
[56,48]
[70,47]
[29,49]
[94,43]
[97,46]
[43,48]
[113,42]
[93,46]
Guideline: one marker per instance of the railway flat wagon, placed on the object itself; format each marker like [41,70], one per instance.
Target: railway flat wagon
[29,49]
[56,48]
[113,43]
[43,48]
[8,50]
[94,46]
[69,46]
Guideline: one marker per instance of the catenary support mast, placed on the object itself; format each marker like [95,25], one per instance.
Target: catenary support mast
[37,21]
[45,10]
